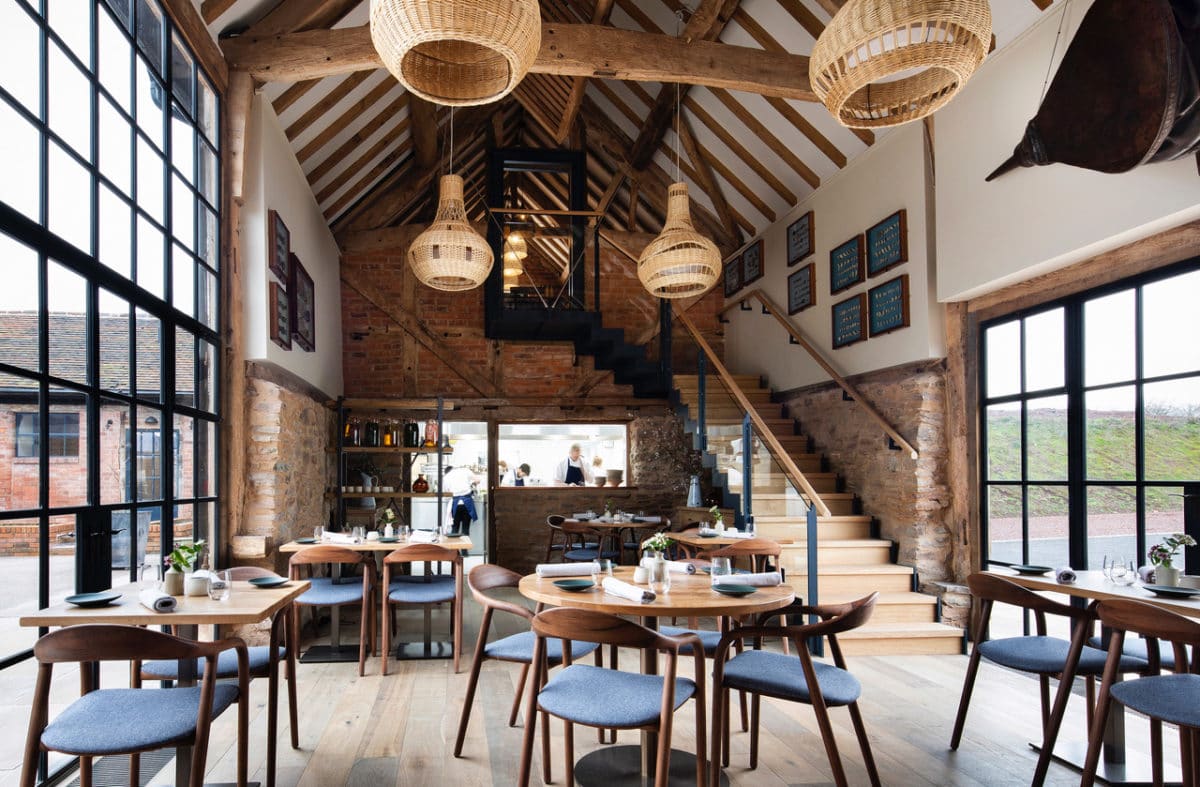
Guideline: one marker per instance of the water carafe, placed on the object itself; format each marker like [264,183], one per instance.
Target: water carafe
[693,498]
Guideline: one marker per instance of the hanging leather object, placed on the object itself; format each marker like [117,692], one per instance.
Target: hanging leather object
[1125,94]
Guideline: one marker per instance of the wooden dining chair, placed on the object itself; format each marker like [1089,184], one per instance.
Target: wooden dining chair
[516,648]
[1042,655]
[588,543]
[137,719]
[609,698]
[426,591]
[793,678]
[261,666]
[324,592]
[556,540]
[1173,698]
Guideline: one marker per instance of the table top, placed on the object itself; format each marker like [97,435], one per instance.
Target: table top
[246,604]
[612,524]
[694,539]
[690,595]
[1093,585]
[461,542]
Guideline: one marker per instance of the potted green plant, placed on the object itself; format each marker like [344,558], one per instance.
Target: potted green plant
[180,575]
[1163,555]
[718,519]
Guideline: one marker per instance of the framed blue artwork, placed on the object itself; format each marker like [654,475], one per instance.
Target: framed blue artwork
[752,263]
[846,265]
[887,243]
[802,288]
[848,321]
[888,306]
[733,276]
[800,238]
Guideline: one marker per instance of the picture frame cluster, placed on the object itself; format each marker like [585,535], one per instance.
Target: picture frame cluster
[293,296]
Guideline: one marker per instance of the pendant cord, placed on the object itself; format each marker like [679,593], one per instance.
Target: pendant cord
[451,140]
[1062,21]
[678,32]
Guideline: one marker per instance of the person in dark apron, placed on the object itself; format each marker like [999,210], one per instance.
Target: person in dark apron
[572,471]
[523,471]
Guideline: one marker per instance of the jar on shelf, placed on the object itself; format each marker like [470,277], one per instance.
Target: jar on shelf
[393,432]
[431,433]
[412,434]
[420,486]
[388,434]
[353,433]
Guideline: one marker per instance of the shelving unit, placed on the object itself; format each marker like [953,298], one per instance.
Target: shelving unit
[408,455]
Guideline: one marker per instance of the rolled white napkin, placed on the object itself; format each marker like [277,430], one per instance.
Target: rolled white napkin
[709,531]
[730,533]
[1065,575]
[155,599]
[423,537]
[566,569]
[628,591]
[674,566]
[337,538]
[766,579]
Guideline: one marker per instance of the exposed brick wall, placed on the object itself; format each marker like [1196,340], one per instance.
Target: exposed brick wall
[908,497]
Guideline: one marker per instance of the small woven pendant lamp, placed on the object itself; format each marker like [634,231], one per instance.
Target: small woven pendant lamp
[680,262]
[450,255]
[862,67]
[457,52]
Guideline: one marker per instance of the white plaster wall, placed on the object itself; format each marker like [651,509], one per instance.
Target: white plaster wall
[886,178]
[274,180]
[1034,220]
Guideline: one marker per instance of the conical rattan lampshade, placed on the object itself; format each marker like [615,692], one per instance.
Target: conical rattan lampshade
[933,46]
[512,264]
[680,262]
[450,255]
[457,52]
[516,244]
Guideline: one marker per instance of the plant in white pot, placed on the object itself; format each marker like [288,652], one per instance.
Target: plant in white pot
[1163,556]
[181,578]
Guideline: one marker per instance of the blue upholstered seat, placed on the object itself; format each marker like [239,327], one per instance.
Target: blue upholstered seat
[708,639]
[519,648]
[112,721]
[779,675]
[324,593]
[1173,698]
[608,698]
[415,590]
[578,555]
[1136,647]
[1047,655]
[227,667]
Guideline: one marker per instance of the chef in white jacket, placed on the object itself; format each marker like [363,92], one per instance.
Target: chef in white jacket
[573,471]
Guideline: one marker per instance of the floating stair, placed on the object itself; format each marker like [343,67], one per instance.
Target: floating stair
[851,560]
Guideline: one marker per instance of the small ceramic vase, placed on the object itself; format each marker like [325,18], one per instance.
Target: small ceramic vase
[1166,575]
[173,582]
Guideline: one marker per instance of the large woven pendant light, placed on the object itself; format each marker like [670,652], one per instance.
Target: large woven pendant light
[680,262]
[886,62]
[513,266]
[457,52]
[450,255]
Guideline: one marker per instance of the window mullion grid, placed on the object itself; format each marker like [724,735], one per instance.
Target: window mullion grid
[1024,448]
[1077,513]
[1139,421]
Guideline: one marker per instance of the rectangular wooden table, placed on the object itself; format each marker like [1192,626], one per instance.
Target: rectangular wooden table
[1116,766]
[334,652]
[246,605]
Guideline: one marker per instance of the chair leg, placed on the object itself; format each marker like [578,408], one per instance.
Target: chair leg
[468,701]
[387,636]
[754,721]
[135,770]
[527,741]
[1044,696]
[293,710]
[831,749]
[662,772]
[85,772]
[1156,759]
[546,748]
[725,730]
[1096,738]
[512,716]
[569,747]
[965,701]
[715,748]
[864,743]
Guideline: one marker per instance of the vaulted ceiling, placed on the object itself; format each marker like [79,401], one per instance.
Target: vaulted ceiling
[371,152]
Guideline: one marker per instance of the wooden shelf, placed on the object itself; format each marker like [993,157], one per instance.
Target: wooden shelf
[393,449]
[397,495]
[388,405]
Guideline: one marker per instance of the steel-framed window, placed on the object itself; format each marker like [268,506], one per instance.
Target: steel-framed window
[62,435]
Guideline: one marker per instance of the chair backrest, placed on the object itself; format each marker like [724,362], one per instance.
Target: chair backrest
[835,619]
[108,642]
[555,520]
[487,577]
[416,553]
[586,625]
[989,588]
[757,549]
[1153,623]
[243,573]
[328,553]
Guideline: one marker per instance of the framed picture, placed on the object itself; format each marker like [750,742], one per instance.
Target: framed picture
[279,246]
[846,265]
[733,276]
[887,243]
[281,322]
[802,288]
[303,306]
[888,306]
[752,263]
[800,238]
[848,321]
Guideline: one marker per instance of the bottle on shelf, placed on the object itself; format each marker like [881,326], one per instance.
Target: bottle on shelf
[353,432]
[412,434]
[371,435]
[420,486]
[431,433]
[388,435]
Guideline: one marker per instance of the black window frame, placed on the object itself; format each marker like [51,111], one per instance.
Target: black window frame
[58,438]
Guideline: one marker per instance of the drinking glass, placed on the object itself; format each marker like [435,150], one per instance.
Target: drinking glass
[319,533]
[1127,575]
[219,585]
[149,575]
[721,566]
[402,533]
[660,577]
[603,567]
[358,533]
[1117,570]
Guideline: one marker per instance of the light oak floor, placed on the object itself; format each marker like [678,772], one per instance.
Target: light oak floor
[400,729]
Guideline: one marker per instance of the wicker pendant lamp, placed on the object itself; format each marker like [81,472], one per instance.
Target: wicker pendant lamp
[517,245]
[885,62]
[450,255]
[457,52]
[680,262]
[512,264]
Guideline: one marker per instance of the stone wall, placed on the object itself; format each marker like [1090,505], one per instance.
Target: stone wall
[907,497]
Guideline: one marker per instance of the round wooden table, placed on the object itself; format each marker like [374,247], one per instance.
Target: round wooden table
[691,595]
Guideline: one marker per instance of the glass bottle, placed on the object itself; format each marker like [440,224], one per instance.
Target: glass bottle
[412,435]
[353,432]
[420,486]
[388,434]
[431,433]
[371,437]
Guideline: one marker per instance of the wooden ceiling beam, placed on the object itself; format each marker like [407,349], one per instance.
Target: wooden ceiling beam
[706,24]
[424,131]
[327,102]
[773,142]
[211,9]
[600,15]
[290,16]
[359,167]
[831,7]
[799,11]
[706,180]
[355,111]
[739,150]
[567,50]
[293,94]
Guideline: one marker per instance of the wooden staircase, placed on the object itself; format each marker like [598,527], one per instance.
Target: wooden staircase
[851,560]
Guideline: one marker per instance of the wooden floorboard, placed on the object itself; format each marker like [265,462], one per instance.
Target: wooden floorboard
[400,729]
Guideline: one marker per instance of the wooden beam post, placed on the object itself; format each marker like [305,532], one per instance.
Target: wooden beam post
[424,131]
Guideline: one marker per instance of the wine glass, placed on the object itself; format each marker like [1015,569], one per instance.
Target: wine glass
[721,567]
[1118,569]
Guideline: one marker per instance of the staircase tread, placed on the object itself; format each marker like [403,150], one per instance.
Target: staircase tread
[761,495]
[870,568]
[915,629]
[776,519]
[892,597]
[845,543]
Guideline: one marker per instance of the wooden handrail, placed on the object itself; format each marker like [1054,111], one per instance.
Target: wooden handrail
[845,385]
[781,456]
